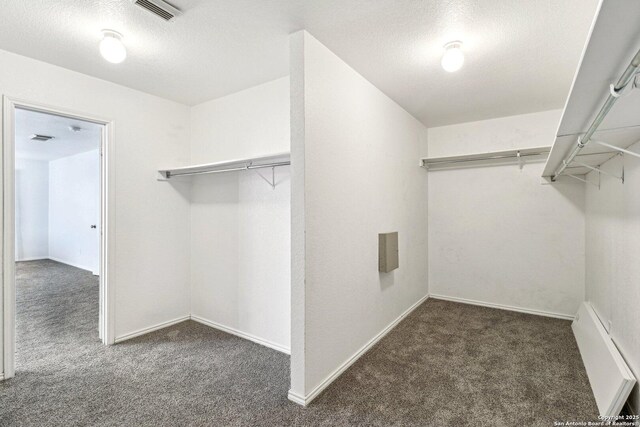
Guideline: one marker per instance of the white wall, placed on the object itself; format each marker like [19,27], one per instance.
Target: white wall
[32,207]
[74,205]
[355,174]
[151,258]
[249,123]
[240,226]
[503,133]
[496,234]
[612,251]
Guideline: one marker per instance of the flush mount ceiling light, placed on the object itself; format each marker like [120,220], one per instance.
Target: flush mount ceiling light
[453,57]
[111,47]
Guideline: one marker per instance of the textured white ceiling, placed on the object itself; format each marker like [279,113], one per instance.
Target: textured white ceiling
[520,55]
[65,142]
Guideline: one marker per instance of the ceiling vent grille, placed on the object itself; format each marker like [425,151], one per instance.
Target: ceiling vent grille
[159,8]
[38,137]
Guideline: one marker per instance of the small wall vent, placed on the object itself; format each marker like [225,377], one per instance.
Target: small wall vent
[37,137]
[159,8]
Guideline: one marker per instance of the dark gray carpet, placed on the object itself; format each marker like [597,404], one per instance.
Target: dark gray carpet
[446,365]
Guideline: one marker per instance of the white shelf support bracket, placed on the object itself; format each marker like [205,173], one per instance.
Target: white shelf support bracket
[583,180]
[613,147]
[271,183]
[600,171]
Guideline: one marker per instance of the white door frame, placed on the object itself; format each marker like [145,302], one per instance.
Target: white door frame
[7,219]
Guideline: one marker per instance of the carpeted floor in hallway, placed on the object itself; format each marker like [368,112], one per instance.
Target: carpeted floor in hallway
[447,364]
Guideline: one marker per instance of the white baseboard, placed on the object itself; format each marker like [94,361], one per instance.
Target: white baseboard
[95,273]
[305,400]
[1,377]
[144,331]
[241,334]
[503,307]
[62,261]
[36,258]
[206,322]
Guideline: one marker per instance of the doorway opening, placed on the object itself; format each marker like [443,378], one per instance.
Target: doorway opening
[55,293]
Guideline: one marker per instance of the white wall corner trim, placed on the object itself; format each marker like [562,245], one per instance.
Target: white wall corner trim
[296,398]
[241,334]
[503,307]
[157,327]
[305,400]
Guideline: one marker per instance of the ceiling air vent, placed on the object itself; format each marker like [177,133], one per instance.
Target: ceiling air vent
[159,8]
[37,137]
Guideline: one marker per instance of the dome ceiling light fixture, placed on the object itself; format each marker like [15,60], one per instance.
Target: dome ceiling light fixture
[453,57]
[111,47]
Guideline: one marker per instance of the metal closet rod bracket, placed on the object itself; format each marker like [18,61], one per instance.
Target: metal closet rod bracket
[520,162]
[271,182]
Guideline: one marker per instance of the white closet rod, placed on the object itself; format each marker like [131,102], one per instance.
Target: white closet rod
[485,157]
[614,94]
[247,167]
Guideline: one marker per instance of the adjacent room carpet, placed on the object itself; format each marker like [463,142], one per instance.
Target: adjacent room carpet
[447,364]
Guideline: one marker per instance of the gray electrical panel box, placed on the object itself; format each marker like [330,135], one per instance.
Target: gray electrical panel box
[387,252]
